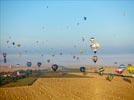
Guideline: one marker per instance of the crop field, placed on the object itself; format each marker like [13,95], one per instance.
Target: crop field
[91,87]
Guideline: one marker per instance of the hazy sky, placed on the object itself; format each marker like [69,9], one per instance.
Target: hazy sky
[60,24]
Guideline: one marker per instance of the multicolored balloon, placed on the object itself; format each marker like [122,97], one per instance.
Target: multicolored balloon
[120,69]
[110,77]
[101,70]
[94,44]
[54,67]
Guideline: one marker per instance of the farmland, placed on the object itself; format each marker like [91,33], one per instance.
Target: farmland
[71,86]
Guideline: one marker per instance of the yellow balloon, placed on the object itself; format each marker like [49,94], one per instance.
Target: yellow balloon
[130,69]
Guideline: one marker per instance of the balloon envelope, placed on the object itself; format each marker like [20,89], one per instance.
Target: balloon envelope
[130,69]
[82,69]
[48,60]
[29,64]
[60,53]
[101,70]
[81,51]
[18,45]
[77,58]
[110,77]
[94,58]
[4,54]
[39,64]
[54,67]
[74,57]
[92,40]
[83,39]
[13,43]
[94,45]
[122,66]
[120,69]
[85,18]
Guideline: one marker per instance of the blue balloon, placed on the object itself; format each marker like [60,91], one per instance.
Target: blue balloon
[82,69]
[122,66]
[29,64]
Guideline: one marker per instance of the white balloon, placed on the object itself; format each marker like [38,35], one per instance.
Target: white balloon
[94,45]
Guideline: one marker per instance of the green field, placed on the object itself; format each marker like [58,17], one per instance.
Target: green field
[41,74]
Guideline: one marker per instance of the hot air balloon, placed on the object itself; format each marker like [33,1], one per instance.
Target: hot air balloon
[29,64]
[120,69]
[110,77]
[42,55]
[54,67]
[94,45]
[82,69]
[4,56]
[124,13]
[19,54]
[18,45]
[122,66]
[48,60]
[94,58]
[130,69]
[75,46]
[37,41]
[39,64]
[129,65]
[78,24]
[85,18]
[60,53]
[115,63]
[13,43]
[101,70]
[74,57]
[81,51]
[43,27]
[92,39]
[53,55]
[83,39]
[77,58]
[25,51]
[7,41]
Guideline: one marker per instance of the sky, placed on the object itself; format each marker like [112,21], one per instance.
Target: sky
[60,24]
